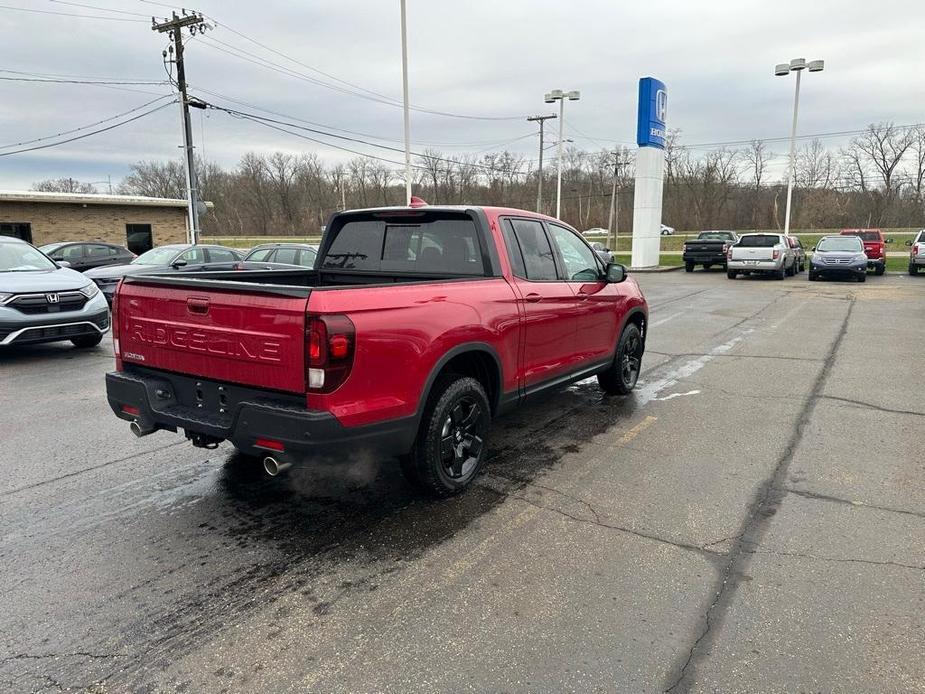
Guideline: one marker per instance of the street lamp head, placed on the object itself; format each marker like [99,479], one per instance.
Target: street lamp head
[549,98]
[574,95]
[782,70]
[798,64]
[816,65]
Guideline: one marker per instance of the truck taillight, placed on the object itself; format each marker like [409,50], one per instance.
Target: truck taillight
[725,247]
[114,322]
[915,249]
[330,346]
[729,253]
[776,254]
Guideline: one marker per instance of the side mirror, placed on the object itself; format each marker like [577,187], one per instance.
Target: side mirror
[63,263]
[616,273]
[814,249]
[908,243]
[178,263]
[888,241]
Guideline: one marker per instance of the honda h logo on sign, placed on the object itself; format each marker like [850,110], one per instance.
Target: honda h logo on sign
[51,298]
[661,105]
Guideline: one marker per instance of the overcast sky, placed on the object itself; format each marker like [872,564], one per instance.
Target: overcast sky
[491,59]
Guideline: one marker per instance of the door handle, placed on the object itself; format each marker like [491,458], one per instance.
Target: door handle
[533,297]
[200,306]
[582,296]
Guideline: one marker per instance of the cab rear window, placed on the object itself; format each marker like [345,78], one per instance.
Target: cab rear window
[759,241]
[444,244]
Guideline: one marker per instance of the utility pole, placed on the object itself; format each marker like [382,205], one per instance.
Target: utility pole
[539,187]
[405,105]
[613,224]
[174,28]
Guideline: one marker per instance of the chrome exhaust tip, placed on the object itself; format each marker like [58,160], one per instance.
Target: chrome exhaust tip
[275,467]
[139,430]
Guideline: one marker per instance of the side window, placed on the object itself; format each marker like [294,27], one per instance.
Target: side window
[537,253]
[580,263]
[100,251]
[513,250]
[72,253]
[221,255]
[307,258]
[260,256]
[286,255]
[194,255]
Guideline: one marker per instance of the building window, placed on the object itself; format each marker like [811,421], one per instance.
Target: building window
[138,238]
[18,230]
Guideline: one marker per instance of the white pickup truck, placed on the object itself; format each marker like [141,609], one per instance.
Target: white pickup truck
[761,253]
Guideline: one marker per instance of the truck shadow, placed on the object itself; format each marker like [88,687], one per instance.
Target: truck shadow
[347,526]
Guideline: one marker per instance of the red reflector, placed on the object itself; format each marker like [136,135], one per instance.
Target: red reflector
[269,443]
[128,409]
[340,346]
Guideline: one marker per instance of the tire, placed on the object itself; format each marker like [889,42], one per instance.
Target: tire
[880,269]
[620,378]
[813,276]
[862,278]
[450,446]
[731,274]
[707,266]
[913,269]
[688,267]
[791,271]
[86,341]
[780,274]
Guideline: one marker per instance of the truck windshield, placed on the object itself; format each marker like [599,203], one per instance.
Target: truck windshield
[21,257]
[846,243]
[759,241]
[718,235]
[430,243]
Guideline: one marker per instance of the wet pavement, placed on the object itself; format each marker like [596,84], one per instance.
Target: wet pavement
[752,518]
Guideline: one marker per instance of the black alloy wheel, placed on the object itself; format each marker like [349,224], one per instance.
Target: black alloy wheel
[623,373]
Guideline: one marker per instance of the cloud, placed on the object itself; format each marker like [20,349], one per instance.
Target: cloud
[480,57]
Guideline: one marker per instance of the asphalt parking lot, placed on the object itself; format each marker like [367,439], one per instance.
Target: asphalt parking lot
[752,518]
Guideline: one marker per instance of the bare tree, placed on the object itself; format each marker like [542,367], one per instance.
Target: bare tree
[882,147]
[63,185]
[815,166]
[156,180]
[918,163]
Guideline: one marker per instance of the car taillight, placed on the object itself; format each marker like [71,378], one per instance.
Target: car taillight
[725,247]
[114,322]
[329,350]
[776,254]
[915,249]
[729,254]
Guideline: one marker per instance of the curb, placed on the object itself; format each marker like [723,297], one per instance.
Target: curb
[657,268]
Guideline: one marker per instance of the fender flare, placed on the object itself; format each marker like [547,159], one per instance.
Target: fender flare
[463,348]
[635,311]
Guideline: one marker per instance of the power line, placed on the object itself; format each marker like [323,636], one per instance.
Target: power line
[363,93]
[84,127]
[265,120]
[97,7]
[70,14]
[85,135]
[64,81]
[481,143]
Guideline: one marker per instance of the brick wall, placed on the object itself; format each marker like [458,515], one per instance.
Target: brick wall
[77,222]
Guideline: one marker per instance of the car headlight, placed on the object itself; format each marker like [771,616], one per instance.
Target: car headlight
[90,290]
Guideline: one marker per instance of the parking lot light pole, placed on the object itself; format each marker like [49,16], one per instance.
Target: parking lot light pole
[796,65]
[552,97]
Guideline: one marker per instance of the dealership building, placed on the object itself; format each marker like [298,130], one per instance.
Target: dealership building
[138,223]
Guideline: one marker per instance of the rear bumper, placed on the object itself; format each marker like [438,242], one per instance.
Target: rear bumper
[706,257]
[917,260]
[756,265]
[245,415]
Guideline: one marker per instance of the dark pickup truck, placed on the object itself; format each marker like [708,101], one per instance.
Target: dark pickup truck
[708,249]
[415,327]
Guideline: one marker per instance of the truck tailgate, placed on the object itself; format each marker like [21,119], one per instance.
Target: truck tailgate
[240,335]
[752,253]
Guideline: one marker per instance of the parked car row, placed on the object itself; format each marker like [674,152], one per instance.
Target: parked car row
[916,252]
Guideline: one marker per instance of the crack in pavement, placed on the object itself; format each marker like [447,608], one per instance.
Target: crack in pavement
[700,550]
[848,502]
[89,469]
[846,560]
[734,356]
[754,525]
[872,406]
[75,654]
[676,299]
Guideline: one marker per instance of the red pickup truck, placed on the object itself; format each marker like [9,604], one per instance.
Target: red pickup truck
[874,247]
[414,329]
